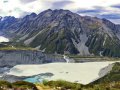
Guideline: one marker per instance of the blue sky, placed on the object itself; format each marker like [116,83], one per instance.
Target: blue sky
[109,9]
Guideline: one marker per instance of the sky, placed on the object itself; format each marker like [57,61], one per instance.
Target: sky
[109,9]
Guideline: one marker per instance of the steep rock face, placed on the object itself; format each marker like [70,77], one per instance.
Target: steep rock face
[7,21]
[15,57]
[61,31]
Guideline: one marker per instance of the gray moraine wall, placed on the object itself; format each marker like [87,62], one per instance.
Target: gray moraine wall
[15,57]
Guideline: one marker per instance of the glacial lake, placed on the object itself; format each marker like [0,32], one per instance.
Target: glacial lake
[83,73]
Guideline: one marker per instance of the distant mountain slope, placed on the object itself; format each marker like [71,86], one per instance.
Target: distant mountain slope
[61,31]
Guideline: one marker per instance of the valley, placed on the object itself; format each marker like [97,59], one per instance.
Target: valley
[59,50]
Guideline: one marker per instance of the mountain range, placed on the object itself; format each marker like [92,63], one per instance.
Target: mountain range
[64,32]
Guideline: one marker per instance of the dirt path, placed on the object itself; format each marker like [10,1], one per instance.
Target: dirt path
[43,88]
[39,88]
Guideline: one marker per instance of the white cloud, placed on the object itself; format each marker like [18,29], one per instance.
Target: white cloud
[19,7]
[117,21]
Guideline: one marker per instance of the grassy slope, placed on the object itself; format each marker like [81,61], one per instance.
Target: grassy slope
[55,42]
[109,48]
[113,76]
[20,85]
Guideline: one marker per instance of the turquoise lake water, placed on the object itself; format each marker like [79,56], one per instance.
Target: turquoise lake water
[39,78]
[33,79]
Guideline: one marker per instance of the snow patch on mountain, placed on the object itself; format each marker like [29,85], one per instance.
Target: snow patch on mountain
[3,39]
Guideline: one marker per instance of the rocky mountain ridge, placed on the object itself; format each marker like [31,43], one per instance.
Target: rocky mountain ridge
[62,31]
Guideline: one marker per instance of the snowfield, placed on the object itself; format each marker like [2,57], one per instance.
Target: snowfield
[83,73]
[3,39]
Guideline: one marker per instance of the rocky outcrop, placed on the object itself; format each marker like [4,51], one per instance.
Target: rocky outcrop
[15,57]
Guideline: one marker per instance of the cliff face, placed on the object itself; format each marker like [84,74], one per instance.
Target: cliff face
[14,57]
